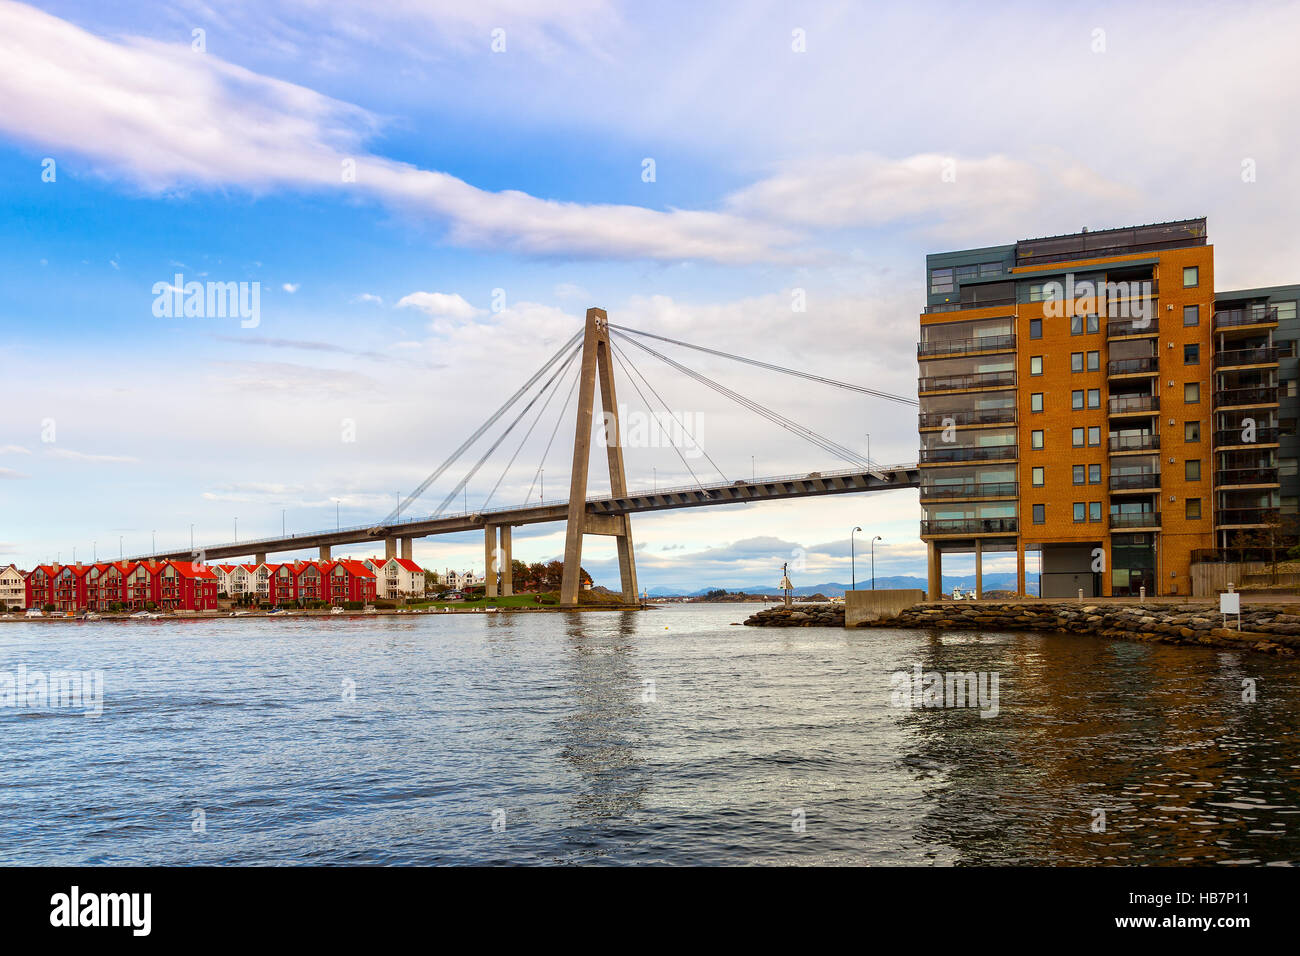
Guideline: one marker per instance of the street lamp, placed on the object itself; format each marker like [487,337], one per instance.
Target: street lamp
[853,571]
[873,560]
[153,538]
[236,530]
[282,522]
[191,538]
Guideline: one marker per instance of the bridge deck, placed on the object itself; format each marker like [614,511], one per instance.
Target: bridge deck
[686,496]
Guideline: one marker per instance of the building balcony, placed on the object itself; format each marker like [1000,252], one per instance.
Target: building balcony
[967,526]
[1239,397]
[1236,358]
[954,453]
[1232,437]
[1145,442]
[956,306]
[978,416]
[1123,328]
[1133,404]
[1147,365]
[984,343]
[1140,521]
[1234,318]
[1140,481]
[972,489]
[1245,477]
[1243,517]
[959,383]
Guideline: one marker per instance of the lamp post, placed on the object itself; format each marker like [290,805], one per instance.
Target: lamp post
[191,537]
[236,530]
[868,449]
[853,570]
[337,526]
[282,522]
[153,540]
[873,560]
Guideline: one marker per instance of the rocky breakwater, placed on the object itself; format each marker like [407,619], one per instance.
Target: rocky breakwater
[1271,629]
[799,615]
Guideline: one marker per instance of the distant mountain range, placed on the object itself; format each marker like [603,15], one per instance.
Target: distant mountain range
[992,582]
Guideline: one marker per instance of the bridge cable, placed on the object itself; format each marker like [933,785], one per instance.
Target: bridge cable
[619,358]
[424,485]
[627,363]
[555,388]
[487,454]
[775,368]
[559,419]
[826,444]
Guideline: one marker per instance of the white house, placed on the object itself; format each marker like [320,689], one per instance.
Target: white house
[12,590]
[459,580]
[397,578]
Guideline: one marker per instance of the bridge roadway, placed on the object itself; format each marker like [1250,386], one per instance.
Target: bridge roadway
[809,485]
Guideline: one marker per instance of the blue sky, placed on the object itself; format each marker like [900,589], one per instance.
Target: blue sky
[796,147]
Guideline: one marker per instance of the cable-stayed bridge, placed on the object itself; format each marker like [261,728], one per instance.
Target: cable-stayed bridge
[590,356]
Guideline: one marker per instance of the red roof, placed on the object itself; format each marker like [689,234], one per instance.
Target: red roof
[409,565]
[190,569]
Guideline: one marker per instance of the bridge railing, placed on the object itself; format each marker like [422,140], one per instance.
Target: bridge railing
[252,543]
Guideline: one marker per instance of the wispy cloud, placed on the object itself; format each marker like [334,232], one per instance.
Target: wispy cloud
[70,455]
[8,474]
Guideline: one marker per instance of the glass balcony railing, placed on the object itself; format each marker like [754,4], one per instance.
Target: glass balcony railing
[1130,520]
[1228,318]
[1259,395]
[948,453]
[935,526]
[976,416]
[952,383]
[1144,442]
[1117,328]
[1227,437]
[1226,477]
[972,489]
[1132,366]
[983,343]
[1144,480]
[1260,355]
[1131,404]
[1228,517]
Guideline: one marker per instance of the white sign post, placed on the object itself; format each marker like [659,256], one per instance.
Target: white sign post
[1230,603]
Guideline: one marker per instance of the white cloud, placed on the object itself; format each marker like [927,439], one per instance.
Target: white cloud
[291,287]
[8,474]
[367,297]
[440,305]
[13,450]
[198,120]
[71,455]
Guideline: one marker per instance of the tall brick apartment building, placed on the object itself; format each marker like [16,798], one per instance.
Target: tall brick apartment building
[1090,397]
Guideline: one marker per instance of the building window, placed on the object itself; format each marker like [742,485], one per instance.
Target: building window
[1094,474]
[1076,325]
[1076,361]
[1040,513]
[1076,399]
[1038,476]
[1035,365]
[1192,393]
[1035,328]
[940,281]
[1036,401]
[1080,512]
[1193,509]
[1191,277]
[1094,324]
[1094,435]
[1191,315]
[1094,398]
[1191,431]
[1192,469]
[1080,474]
[1036,439]
[1191,355]
[1076,437]
[1094,510]
[1094,361]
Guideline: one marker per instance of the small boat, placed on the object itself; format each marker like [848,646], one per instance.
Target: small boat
[336,610]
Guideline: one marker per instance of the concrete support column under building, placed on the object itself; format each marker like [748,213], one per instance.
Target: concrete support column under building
[1020,568]
[507,570]
[390,548]
[324,552]
[407,549]
[979,569]
[935,565]
[490,553]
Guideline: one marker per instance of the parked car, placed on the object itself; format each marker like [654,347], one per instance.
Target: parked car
[35,612]
[451,596]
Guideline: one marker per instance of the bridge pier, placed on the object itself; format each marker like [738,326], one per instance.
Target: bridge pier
[490,552]
[259,558]
[407,549]
[935,565]
[390,548]
[507,563]
[324,552]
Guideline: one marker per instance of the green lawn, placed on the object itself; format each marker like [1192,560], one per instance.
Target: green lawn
[515,600]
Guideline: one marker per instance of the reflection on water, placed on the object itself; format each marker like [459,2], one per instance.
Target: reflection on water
[664,736]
